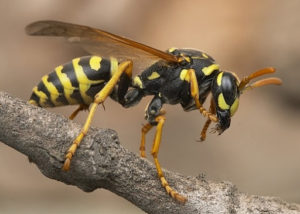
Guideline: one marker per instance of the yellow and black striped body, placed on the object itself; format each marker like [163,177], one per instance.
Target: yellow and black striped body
[76,82]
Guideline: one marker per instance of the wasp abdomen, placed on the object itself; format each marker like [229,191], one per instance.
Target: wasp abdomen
[76,82]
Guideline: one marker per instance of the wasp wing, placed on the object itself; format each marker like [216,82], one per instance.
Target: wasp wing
[102,43]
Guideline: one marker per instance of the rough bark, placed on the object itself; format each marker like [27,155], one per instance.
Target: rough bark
[102,162]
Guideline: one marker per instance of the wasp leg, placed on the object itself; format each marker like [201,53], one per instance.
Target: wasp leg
[155,148]
[124,67]
[153,109]
[80,108]
[212,110]
[204,130]
[195,95]
[146,128]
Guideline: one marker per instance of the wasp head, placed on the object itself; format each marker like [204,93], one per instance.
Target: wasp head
[226,90]
[226,93]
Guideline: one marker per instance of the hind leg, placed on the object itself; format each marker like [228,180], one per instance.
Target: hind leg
[81,107]
[125,67]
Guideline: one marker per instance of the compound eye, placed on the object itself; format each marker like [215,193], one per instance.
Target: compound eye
[229,88]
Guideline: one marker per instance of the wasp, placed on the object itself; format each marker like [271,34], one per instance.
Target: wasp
[177,76]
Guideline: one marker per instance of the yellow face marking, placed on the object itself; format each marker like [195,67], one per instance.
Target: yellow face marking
[67,85]
[52,90]
[84,82]
[95,62]
[222,103]
[219,78]
[171,50]
[184,75]
[114,65]
[208,70]
[138,82]
[43,97]
[153,76]
[234,106]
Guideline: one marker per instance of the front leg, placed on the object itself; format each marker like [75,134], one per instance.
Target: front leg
[212,109]
[195,94]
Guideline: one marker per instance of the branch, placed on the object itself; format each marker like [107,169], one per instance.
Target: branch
[101,162]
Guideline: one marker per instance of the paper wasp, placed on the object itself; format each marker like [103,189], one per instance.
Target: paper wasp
[177,76]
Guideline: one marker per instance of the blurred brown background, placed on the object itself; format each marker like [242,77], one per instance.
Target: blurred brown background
[260,153]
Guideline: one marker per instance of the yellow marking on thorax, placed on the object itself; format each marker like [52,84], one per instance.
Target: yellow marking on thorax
[114,66]
[184,75]
[205,56]
[95,62]
[67,85]
[209,69]
[171,50]
[154,75]
[222,103]
[84,82]
[137,82]
[186,58]
[197,57]
[52,90]
[219,78]
[234,106]
[43,97]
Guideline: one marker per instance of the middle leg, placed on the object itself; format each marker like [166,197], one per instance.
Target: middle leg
[153,109]
[155,148]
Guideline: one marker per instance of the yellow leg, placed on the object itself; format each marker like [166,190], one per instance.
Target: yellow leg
[204,130]
[80,108]
[155,148]
[99,99]
[212,109]
[195,95]
[145,130]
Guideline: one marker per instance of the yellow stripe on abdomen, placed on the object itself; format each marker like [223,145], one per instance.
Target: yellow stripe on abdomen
[42,96]
[67,85]
[52,90]
[84,82]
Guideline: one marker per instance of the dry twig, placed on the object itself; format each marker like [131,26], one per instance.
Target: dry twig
[101,162]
